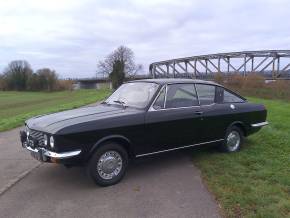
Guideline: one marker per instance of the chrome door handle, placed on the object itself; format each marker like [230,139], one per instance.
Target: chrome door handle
[198,112]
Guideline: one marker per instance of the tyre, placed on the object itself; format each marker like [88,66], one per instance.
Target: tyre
[233,140]
[108,164]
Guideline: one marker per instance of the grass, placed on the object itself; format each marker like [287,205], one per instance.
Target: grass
[16,107]
[254,182]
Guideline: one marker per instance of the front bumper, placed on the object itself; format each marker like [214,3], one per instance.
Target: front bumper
[44,155]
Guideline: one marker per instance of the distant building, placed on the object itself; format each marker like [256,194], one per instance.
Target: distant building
[100,83]
[92,83]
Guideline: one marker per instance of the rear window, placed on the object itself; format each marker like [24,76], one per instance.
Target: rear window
[231,98]
[225,96]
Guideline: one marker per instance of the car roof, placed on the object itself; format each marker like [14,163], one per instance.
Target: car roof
[176,80]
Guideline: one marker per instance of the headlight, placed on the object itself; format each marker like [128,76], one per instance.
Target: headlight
[27,131]
[45,139]
[51,142]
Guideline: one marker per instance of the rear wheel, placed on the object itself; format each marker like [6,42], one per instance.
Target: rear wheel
[108,164]
[233,140]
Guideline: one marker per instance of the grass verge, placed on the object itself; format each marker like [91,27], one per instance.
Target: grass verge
[254,182]
[16,107]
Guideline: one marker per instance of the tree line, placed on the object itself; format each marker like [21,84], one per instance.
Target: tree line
[19,76]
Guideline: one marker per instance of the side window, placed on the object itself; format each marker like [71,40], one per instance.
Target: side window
[159,103]
[181,95]
[206,93]
[231,98]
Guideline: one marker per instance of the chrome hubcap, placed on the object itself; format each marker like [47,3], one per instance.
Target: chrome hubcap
[110,164]
[233,140]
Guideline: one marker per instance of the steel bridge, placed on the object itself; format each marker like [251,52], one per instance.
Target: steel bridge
[273,64]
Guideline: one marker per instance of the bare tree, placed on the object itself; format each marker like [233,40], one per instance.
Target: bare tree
[122,54]
[17,74]
[47,79]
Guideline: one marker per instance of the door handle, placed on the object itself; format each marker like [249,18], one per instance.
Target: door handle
[198,112]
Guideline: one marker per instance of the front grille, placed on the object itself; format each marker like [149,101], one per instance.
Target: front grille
[39,136]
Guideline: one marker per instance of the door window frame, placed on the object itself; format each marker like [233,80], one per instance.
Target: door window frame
[215,90]
[151,108]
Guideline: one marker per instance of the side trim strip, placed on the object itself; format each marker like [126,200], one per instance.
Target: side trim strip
[177,148]
[260,124]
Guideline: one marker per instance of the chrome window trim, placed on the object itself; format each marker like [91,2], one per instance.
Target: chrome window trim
[151,108]
[177,148]
[165,97]
[176,108]
[196,94]
[259,124]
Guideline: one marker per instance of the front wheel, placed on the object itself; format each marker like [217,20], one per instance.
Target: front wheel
[233,140]
[108,164]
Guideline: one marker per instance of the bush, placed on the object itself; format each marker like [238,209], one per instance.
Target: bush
[235,80]
[281,88]
[3,84]
[253,81]
[219,78]
[255,85]
[65,85]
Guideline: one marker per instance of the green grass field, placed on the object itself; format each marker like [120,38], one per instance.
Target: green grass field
[254,182]
[15,107]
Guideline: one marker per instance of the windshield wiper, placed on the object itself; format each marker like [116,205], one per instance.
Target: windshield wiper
[121,103]
[107,103]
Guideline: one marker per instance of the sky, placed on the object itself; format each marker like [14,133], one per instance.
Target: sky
[71,36]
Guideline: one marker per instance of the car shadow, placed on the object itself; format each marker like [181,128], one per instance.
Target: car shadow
[139,169]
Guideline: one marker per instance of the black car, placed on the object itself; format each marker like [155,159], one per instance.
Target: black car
[142,118]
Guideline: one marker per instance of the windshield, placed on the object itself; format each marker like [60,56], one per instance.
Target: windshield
[135,94]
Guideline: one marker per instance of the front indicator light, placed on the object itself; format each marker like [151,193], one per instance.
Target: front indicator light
[51,141]
[27,132]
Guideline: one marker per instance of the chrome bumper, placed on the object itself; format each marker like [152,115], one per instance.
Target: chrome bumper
[255,125]
[45,154]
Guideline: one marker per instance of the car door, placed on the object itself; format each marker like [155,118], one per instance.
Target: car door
[174,118]
[212,126]
[219,111]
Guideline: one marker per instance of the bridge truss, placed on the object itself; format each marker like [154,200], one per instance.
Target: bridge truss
[273,64]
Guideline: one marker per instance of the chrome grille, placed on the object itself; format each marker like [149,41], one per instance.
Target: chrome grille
[39,136]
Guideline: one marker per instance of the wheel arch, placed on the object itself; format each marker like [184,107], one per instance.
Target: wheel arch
[121,140]
[240,125]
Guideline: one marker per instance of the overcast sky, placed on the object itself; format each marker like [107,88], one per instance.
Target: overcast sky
[70,36]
